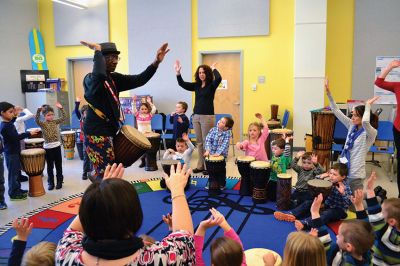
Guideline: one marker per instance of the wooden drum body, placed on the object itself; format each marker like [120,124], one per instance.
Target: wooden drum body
[243,164]
[68,141]
[260,171]
[317,186]
[34,143]
[323,125]
[283,191]
[32,162]
[151,154]
[216,168]
[129,145]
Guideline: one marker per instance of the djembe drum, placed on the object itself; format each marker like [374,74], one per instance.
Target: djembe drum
[308,142]
[323,125]
[68,141]
[151,154]
[166,166]
[317,186]
[129,145]
[35,143]
[216,168]
[243,164]
[283,191]
[39,133]
[259,171]
[32,162]
[254,256]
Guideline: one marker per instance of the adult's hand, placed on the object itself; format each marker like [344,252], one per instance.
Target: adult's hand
[176,182]
[372,100]
[394,64]
[214,66]
[178,67]
[161,52]
[327,86]
[92,45]
[114,171]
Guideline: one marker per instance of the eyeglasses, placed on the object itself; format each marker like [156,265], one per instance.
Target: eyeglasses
[112,58]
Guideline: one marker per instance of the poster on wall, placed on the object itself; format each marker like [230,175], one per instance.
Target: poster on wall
[386,97]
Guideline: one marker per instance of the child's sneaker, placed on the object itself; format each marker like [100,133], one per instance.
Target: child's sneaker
[3,205]
[18,197]
[281,216]
[23,191]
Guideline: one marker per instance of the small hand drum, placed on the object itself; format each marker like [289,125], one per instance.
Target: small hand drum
[317,186]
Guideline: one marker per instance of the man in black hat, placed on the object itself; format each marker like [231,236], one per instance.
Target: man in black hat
[102,88]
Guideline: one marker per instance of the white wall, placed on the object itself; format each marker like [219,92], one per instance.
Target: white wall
[14,47]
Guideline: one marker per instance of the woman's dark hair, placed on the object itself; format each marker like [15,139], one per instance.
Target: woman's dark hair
[207,71]
[226,251]
[110,209]
[373,118]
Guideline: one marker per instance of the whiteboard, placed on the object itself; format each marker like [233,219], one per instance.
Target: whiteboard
[387,97]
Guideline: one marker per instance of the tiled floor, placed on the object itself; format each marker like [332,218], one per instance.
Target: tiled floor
[74,184]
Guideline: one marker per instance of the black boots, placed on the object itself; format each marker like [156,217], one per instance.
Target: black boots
[50,182]
[59,182]
[143,163]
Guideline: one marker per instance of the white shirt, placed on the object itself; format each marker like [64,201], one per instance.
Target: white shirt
[186,156]
[20,122]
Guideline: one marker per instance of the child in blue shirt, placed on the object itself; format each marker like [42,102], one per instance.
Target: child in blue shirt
[179,120]
[12,150]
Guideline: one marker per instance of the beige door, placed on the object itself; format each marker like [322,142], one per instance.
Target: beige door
[80,69]
[227,100]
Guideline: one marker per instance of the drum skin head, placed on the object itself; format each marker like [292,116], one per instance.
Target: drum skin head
[319,183]
[68,132]
[284,175]
[34,128]
[272,122]
[169,162]
[254,256]
[260,165]
[29,152]
[215,158]
[151,135]
[246,158]
[281,131]
[34,140]
[135,136]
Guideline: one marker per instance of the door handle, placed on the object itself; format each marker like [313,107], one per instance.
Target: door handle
[236,103]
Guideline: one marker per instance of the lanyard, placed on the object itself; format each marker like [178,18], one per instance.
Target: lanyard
[121,114]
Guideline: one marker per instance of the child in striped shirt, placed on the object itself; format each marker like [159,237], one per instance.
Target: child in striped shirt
[385,221]
[308,170]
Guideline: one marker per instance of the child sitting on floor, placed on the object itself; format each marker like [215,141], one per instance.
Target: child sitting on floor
[385,222]
[227,250]
[353,242]
[184,149]
[308,170]
[336,204]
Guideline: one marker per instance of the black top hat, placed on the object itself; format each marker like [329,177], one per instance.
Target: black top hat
[109,48]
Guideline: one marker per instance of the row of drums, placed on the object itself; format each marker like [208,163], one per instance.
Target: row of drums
[255,177]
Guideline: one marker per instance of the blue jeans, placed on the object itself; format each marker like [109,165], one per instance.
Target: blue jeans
[328,215]
[2,188]
[14,170]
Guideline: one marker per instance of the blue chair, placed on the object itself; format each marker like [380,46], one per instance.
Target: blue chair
[157,123]
[217,118]
[130,120]
[75,123]
[339,135]
[30,123]
[385,133]
[168,126]
[285,119]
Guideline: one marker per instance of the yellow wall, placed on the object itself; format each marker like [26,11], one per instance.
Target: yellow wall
[270,55]
[339,48]
[56,56]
